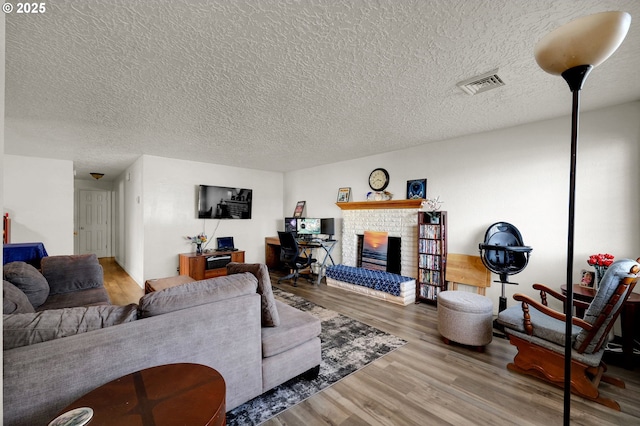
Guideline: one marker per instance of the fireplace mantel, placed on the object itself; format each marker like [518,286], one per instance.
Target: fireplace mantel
[391,204]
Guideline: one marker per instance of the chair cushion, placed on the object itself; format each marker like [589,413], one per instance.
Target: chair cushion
[27,278]
[31,328]
[196,293]
[296,327]
[66,274]
[608,286]
[14,301]
[270,317]
[589,359]
[544,326]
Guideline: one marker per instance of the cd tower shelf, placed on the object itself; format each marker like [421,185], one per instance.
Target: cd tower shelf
[432,255]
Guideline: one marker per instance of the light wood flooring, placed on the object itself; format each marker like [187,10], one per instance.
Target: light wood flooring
[427,382]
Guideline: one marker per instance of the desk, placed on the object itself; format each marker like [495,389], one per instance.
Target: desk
[30,253]
[627,317]
[272,252]
[165,395]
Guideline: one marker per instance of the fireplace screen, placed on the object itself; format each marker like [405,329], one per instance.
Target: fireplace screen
[374,251]
[393,259]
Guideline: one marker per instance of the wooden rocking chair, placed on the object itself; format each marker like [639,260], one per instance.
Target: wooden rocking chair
[539,334]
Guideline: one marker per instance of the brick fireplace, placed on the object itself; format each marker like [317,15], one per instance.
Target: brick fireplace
[398,218]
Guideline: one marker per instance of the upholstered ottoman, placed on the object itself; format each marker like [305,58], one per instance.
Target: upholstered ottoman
[465,318]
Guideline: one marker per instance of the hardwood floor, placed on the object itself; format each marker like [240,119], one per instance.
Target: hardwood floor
[426,381]
[121,287]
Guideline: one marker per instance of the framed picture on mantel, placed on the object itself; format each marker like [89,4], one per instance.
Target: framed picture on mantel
[416,189]
[344,194]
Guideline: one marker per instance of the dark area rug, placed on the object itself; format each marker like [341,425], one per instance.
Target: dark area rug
[347,346]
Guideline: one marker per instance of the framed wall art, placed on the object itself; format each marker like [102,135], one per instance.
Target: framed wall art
[416,189]
[299,209]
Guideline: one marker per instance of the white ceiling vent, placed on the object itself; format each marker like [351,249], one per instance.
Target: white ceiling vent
[481,83]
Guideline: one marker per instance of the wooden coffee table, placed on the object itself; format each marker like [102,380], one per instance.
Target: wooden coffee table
[167,395]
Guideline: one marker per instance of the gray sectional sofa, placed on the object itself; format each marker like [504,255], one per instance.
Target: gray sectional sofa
[231,323]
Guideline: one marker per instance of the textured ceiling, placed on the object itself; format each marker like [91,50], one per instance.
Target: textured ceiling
[283,85]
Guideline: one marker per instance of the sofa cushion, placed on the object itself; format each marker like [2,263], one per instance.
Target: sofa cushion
[28,329]
[27,278]
[90,297]
[71,273]
[296,327]
[270,316]
[196,293]
[14,301]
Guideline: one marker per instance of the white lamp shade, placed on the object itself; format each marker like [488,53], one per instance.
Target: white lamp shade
[588,40]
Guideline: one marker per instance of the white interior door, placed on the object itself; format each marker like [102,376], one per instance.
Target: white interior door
[93,226]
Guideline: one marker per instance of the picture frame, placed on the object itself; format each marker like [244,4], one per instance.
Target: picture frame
[299,209]
[344,195]
[417,189]
[587,278]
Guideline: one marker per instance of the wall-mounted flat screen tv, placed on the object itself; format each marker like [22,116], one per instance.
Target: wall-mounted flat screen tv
[220,202]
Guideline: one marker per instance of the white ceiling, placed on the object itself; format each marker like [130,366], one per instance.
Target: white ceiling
[284,85]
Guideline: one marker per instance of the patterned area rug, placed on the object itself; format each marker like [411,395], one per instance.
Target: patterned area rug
[347,346]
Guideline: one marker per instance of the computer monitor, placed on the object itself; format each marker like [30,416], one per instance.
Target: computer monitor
[327,226]
[291,225]
[308,226]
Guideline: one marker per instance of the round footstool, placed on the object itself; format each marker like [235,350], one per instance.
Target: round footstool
[465,318]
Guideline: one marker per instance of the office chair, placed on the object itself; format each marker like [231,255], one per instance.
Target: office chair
[504,253]
[290,256]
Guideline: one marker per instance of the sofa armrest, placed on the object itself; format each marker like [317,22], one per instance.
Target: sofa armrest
[66,274]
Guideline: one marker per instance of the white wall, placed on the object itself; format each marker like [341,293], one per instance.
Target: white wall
[130,221]
[155,226]
[518,175]
[38,195]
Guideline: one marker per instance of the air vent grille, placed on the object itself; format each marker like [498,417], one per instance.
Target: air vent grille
[481,83]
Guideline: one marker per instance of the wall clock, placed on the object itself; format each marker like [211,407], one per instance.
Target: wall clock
[379,179]
[416,189]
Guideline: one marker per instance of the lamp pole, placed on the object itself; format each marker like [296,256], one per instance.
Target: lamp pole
[572,51]
[575,77]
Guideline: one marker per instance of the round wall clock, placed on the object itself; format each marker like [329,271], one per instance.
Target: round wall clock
[379,179]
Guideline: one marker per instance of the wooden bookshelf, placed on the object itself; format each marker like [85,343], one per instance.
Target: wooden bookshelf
[432,255]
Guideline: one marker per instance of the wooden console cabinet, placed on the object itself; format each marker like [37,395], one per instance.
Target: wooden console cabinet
[195,265]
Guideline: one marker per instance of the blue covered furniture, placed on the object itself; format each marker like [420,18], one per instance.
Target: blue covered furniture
[539,334]
[31,253]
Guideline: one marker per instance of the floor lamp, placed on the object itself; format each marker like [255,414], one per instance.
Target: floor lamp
[572,51]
